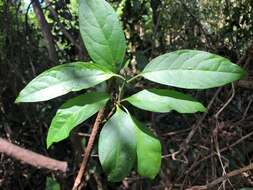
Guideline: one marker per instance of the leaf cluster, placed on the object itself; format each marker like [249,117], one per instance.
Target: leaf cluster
[124,142]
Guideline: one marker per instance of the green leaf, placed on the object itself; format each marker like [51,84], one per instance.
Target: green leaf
[117,146]
[163,100]
[192,69]
[63,79]
[74,112]
[121,140]
[149,152]
[51,184]
[102,33]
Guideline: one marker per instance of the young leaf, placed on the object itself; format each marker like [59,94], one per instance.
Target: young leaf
[163,100]
[192,69]
[62,79]
[117,146]
[149,152]
[102,33]
[74,112]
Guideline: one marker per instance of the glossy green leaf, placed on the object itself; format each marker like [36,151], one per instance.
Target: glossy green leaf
[163,100]
[74,112]
[149,152]
[62,79]
[102,33]
[117,146]
[122,140]
[192,69]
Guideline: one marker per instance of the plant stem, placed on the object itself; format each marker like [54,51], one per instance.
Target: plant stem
[121,77]
[121,89]
[88,149]
[133,78]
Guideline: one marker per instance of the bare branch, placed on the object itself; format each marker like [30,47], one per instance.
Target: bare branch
[32,158]
[88,149]
[223,178]
[56,18]
[46,31]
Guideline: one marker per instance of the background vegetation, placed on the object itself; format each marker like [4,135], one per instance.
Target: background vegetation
[35,36]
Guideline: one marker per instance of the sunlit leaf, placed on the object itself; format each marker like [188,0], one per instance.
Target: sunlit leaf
[102,33]
[63,79]
[74,112]
[192,69]
[163,100]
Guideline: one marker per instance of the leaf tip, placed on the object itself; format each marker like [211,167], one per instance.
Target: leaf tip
[49,145]
[204,109]
[18,100]
[149,174]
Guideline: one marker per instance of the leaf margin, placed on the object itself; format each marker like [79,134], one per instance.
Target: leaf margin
[94,103]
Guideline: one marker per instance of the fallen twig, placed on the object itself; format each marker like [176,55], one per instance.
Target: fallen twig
[221,151]
[32,158]
[222,178]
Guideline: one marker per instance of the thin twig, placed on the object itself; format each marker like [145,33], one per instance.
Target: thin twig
[227,103]
[88,149]
[221,151]
[219,155]
[63,29]
[247,108]
[133,78]
[184,145]
[225,177]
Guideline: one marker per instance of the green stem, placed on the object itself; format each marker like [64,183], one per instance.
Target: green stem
[121,77]
[133,78]
[121,92]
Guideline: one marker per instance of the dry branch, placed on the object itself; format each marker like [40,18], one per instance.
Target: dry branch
[32,158]
[245,84]
[46,31]
[223,178]
[88,149]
